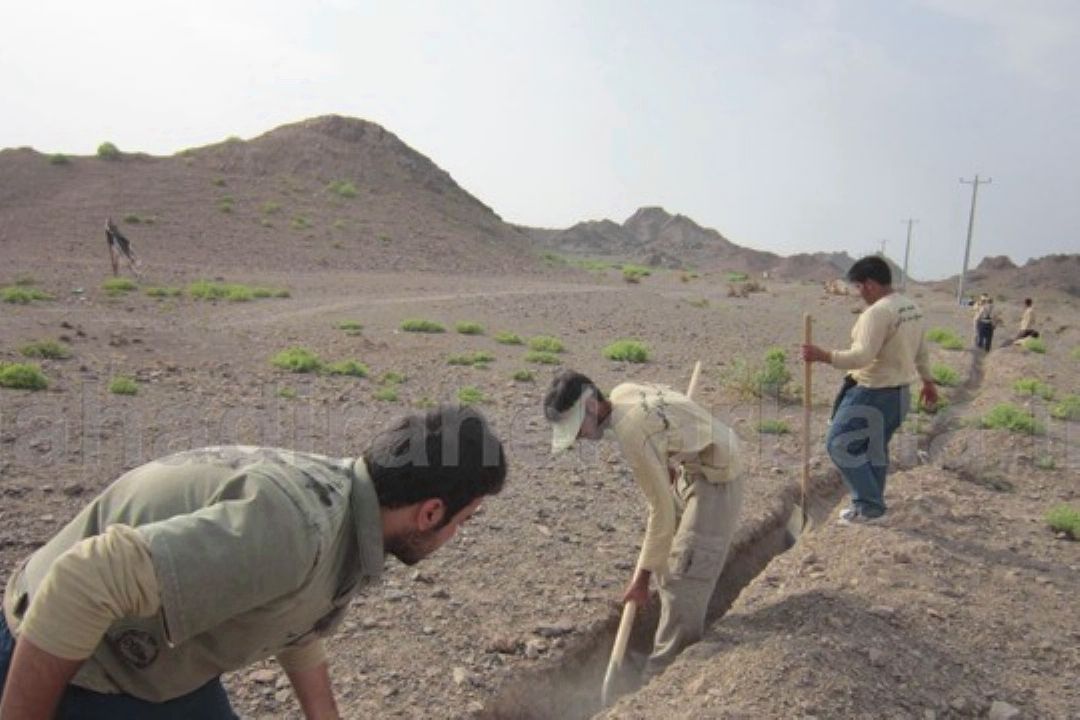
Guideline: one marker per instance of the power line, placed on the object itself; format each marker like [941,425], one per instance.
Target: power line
[971,229]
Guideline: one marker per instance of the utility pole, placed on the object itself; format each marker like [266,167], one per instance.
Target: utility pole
[907,251]
[971,228]
[883,247]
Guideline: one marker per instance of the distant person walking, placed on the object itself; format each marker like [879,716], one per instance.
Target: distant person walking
[887,354]
[120,245]
[985,322]
[1027,321]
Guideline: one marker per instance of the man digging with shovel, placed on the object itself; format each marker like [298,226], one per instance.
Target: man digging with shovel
[887,354]
[687,464]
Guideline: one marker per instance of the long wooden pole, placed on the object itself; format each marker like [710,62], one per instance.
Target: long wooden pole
[808,326]
[626,623]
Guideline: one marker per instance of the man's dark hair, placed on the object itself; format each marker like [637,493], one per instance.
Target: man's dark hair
[1027,301]
[566,388]
[449,453]
[871,267]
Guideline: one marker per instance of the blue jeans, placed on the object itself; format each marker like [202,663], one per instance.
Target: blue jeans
[207,703]
[858,442]
[984,335]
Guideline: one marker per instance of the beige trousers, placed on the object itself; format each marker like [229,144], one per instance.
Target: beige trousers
[709,514]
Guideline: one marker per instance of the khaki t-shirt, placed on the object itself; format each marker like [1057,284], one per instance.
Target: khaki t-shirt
[255,551]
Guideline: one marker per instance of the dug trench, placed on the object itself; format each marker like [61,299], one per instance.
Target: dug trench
[568,688]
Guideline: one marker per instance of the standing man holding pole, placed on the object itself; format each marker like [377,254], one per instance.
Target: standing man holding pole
[687,465]
[887,354]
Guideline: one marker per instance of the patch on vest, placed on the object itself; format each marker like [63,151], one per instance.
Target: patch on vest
[137,647]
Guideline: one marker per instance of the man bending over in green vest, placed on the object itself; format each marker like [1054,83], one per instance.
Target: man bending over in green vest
[208,560]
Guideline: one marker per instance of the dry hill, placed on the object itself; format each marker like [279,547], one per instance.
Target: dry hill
[330,192]
[999,275]
[655,237]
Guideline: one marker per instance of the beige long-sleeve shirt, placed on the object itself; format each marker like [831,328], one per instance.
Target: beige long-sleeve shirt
[657,428]
[200,563]
[888,345]
[1027,321]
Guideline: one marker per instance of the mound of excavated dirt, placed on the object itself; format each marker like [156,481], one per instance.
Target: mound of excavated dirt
[961,603]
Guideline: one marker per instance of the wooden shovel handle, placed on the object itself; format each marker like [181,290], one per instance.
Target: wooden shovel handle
[808,324]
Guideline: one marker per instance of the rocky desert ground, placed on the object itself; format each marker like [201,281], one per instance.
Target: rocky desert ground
[963,603]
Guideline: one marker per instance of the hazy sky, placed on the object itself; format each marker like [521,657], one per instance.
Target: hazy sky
[786,125]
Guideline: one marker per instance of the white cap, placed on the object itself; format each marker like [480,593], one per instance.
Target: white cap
[564,431]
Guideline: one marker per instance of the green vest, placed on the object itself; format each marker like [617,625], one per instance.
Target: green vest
[255,549]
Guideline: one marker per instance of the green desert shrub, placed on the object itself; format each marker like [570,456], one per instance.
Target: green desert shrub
[542,358]
[469,328]
[945,375]
[387,393]
[118,286]
[270,207]
[46,349]
[773,375]
[1065,519]
[123,385]
[233,292]
[770,378]
[286,392]
[470,396]
[626,350]
[702,303]
[226,204]
[59,159]
[774,427]
[1045,462]
[342,188]
[945,337]
[508,338]
[21,295]
[298,360]
[1075,354]
[1067,409]
[524,376]
[479,358]
[22,376]
[348,367]
[163,292]
[1009,417]
[546,343]
[737,276]
[1035,345]
[634,273]
[1033,386]
[300,222]
[351,327]
[418,325]
[392,377]
[108,151]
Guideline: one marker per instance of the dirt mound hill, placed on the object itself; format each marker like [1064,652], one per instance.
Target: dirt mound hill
[655,237]
[329,192]
[999,275]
